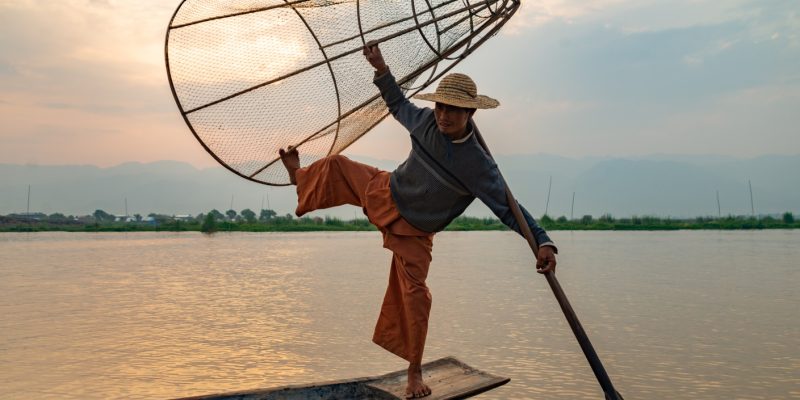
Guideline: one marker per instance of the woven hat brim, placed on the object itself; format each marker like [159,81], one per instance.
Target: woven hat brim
[480,101]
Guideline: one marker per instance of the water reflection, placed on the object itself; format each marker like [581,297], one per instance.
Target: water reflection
[702,315]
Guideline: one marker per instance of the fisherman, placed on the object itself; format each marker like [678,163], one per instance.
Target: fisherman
[445,171]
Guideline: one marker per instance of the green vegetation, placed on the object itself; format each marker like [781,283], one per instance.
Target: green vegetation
[650,223]
[209,224]
[607,222]
[270,221]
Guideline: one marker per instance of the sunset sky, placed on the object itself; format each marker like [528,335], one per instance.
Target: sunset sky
[84,82]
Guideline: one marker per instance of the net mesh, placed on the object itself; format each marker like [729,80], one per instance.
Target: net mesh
[251,77]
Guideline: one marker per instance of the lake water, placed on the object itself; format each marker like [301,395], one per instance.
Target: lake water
[689,315]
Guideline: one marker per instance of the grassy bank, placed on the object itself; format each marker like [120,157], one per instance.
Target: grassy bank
[210,223]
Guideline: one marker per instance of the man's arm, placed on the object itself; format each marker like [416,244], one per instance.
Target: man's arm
[401,108]
[492,192]
[497,202]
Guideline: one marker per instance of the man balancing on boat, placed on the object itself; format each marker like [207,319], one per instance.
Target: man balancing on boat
[445,171]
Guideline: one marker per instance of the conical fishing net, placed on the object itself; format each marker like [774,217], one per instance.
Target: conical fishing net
[253,76]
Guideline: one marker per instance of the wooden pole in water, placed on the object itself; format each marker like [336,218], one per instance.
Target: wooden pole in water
[566,308]
[230,223]
[549,186]
[572,209]
[719,209]
[752,208]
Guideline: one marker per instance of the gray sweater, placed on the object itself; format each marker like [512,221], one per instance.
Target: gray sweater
[441,178]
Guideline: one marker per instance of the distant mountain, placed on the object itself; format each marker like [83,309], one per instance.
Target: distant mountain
[680,186]
[663,185]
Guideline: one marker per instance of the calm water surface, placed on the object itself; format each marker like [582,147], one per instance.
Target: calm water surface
[690,315]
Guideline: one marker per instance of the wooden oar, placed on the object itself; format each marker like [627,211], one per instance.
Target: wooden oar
[577,329]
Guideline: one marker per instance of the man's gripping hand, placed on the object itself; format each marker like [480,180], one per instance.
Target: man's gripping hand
[375,58]
[546,260]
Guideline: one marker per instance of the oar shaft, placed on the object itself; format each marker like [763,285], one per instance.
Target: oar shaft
[569,313]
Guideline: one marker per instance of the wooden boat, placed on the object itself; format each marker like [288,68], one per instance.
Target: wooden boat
[447,377]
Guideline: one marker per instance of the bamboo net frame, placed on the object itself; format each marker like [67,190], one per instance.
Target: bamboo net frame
[252,76]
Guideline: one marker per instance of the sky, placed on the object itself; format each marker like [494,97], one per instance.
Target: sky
[84,82]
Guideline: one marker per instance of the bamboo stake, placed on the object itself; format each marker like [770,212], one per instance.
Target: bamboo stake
[549,186]
[572,209]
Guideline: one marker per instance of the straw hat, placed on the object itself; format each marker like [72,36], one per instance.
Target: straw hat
[459,90]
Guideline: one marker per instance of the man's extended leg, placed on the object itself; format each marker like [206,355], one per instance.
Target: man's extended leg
[329,182]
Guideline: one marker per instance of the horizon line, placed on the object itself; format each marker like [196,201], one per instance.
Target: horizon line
[213,164]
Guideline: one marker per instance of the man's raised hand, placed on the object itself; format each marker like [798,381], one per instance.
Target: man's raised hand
[375,58]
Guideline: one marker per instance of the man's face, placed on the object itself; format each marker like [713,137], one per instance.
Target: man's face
[452,120]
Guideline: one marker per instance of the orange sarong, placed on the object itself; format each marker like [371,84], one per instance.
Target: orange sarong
[336,180]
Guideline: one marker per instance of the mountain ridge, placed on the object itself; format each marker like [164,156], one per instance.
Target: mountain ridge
[663,185]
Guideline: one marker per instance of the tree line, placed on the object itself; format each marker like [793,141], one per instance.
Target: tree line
[269,220]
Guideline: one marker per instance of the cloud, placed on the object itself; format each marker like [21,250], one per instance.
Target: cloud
[711,49]
[6,69]
[764,20]
[91,56]
[101,3]
[596,90]
[84,80]
[752,121]
[65,133]
[123,38]
[539,12]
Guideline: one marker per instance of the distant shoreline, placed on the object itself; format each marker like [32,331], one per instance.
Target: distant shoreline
[328,224]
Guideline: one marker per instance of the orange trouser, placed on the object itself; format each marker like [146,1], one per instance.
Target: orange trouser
[337,180]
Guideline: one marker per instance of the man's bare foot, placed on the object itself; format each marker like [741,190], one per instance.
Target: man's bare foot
[416,388]
[291,160]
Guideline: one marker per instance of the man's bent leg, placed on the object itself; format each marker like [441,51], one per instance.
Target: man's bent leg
[332,181]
